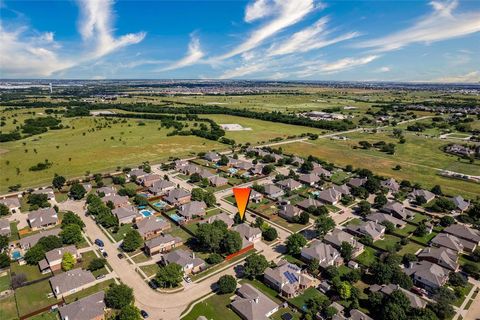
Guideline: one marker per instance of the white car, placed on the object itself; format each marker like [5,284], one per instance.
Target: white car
[187,279]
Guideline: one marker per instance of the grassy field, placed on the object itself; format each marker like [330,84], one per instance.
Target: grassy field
[5,282]
[300,301]
[8,308]
[214,308]
[31,272]
[33,297]
[419,158]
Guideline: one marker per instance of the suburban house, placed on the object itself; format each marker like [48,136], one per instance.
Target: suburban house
[66,283]
[151,226]
[289,212]
[190,169]
[288,279]
[368,228]
[212,156]
[391,185]
[388,289]
[205,174]
[427,275]
[251,304]
[118,201]
[87,186]
[397,210]
[343,189]
[192,209]
[5,228]
[222,217]
[48,191]
[337,237]
[243,165]
[179,164]
[162,244]
[448,241]
[444,257]
[42,218]
[309,202]
[127,214]
[309,179]
[149,179]
[356,314]
[255,196]
[289,184]
[106,191]
[356,182]
[53,258]
[469,237]
[461,203]
[178,196]
[91,307]
[13,204]
[249,234]
[217,181]
[321,172]
[297,160]
[29,241]
[185,259]
[272,191]
[427,195]
[256,170]
[380,217]
[137,173]
[324,253]
[161,187]
[330,196]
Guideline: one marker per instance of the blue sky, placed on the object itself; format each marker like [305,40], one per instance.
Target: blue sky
[259,39]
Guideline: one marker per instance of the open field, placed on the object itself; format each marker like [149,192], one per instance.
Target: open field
[8,308]
[419,158]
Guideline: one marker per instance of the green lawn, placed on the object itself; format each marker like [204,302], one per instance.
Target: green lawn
[87,257]
[465,291]
[278,315]
[388,241]
[410,247]
[33,297]
[419,218]
[300,301]
[8,308]
[141,257]
[426,238]
[150,269]
[121,231]
[214,308]
[31,272]
[5,282]
[14,231]
[367,257]
[339,177]
[406,231]
[49,315]
[89,291]
[176,231]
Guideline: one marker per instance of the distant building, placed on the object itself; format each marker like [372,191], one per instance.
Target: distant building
[370,228]
[427,195]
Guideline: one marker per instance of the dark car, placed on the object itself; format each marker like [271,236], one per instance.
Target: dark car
[144,314]
[105,254]
[99,242]
[120,256]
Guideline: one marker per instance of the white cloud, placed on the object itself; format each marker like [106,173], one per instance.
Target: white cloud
[40,55]
[335,66]
[194,55]
[441,24]
[471,77]
[243,70]
[285,14]
[383,69]
[310,38]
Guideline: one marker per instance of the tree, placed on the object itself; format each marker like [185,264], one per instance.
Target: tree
[379,201]
[71,234]
[34,254]
[269,168]
[38,201]
[214,258]
[169,276]
[71,218]
[223,160]
[346,250]
[457,279]
[140,200]
[313,266]
[420,200]
[345,290]
[210,235]
[389,226]
[119,296]
[255,265]
[227,284]
[129,312]
[421,230]
[77,191]
[4,211]
[270,234]
[68,261]
[295,243]
[58,181]
[4,260]
[303,218]
[132,241]
[50,242]
[96,264]
[437,190]
[446,221]
[3,242]
[231,242]
[471,268]
[324,224]
[364,208]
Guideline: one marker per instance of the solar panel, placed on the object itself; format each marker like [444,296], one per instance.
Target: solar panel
[292,278]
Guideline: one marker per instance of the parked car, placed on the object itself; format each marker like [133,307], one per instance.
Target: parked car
[187,279]
[99,242]
[120,256]
[100,277]
[105,254]
[144,314]
[153,284]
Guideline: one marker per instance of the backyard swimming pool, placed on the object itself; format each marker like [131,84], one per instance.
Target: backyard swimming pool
[146,213]
[175,217]
[160,204]
[16,255]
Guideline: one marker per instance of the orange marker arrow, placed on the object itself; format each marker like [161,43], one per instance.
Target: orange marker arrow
[242,195]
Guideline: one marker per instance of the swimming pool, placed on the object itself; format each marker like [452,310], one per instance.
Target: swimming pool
[160,204]
[232,170]
[315,193]
[16,255]
[175,217]
[146,213]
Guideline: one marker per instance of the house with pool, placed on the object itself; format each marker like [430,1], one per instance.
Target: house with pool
[152,226]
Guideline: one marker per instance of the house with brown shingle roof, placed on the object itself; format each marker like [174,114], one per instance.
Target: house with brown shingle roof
[192,209]
[149,179]
[369,228]
[427,195]
[187,260]
[162,244]
[178,197]
[151,227]
[465,234]
[448,241]
[13,204]
[29,241]
[118,201]
[48,191]
[330,196]
[252,304]
[397,210]
[380,217]
[309,202]
[217,181]
[444,257]
[161,187]
[222,217]
[326,254]
[127,214]
[42,218]
[287,279]
[5,227]
[53,258]
[289,212]
[309,178]
[337,237]
[289,184]
[428,275]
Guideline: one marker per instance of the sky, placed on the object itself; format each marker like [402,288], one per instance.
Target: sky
[362,40]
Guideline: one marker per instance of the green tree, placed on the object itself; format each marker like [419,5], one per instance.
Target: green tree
[3,242]
[129,312]
[58,181]
[270,234]
[210,235]
[364,208]
[446,221]
[4,260]
[313,266]
[68,261]
[226,284]
[295,243]
[119,296]
[50,242]
[169,276]
[255,265]
[4,211]
[34,254]
[38,201]
[96,264]
[77,191]
[324,224]
[303,218]
[71,218]
[345,290]
[231,242]
[71,234]
[132,241]
[346,250]
[214,258]
[380,200]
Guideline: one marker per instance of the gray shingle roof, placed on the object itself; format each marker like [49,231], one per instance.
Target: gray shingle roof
[252,304]
[151,224]
[42,217]
[69,280]
[87,308]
